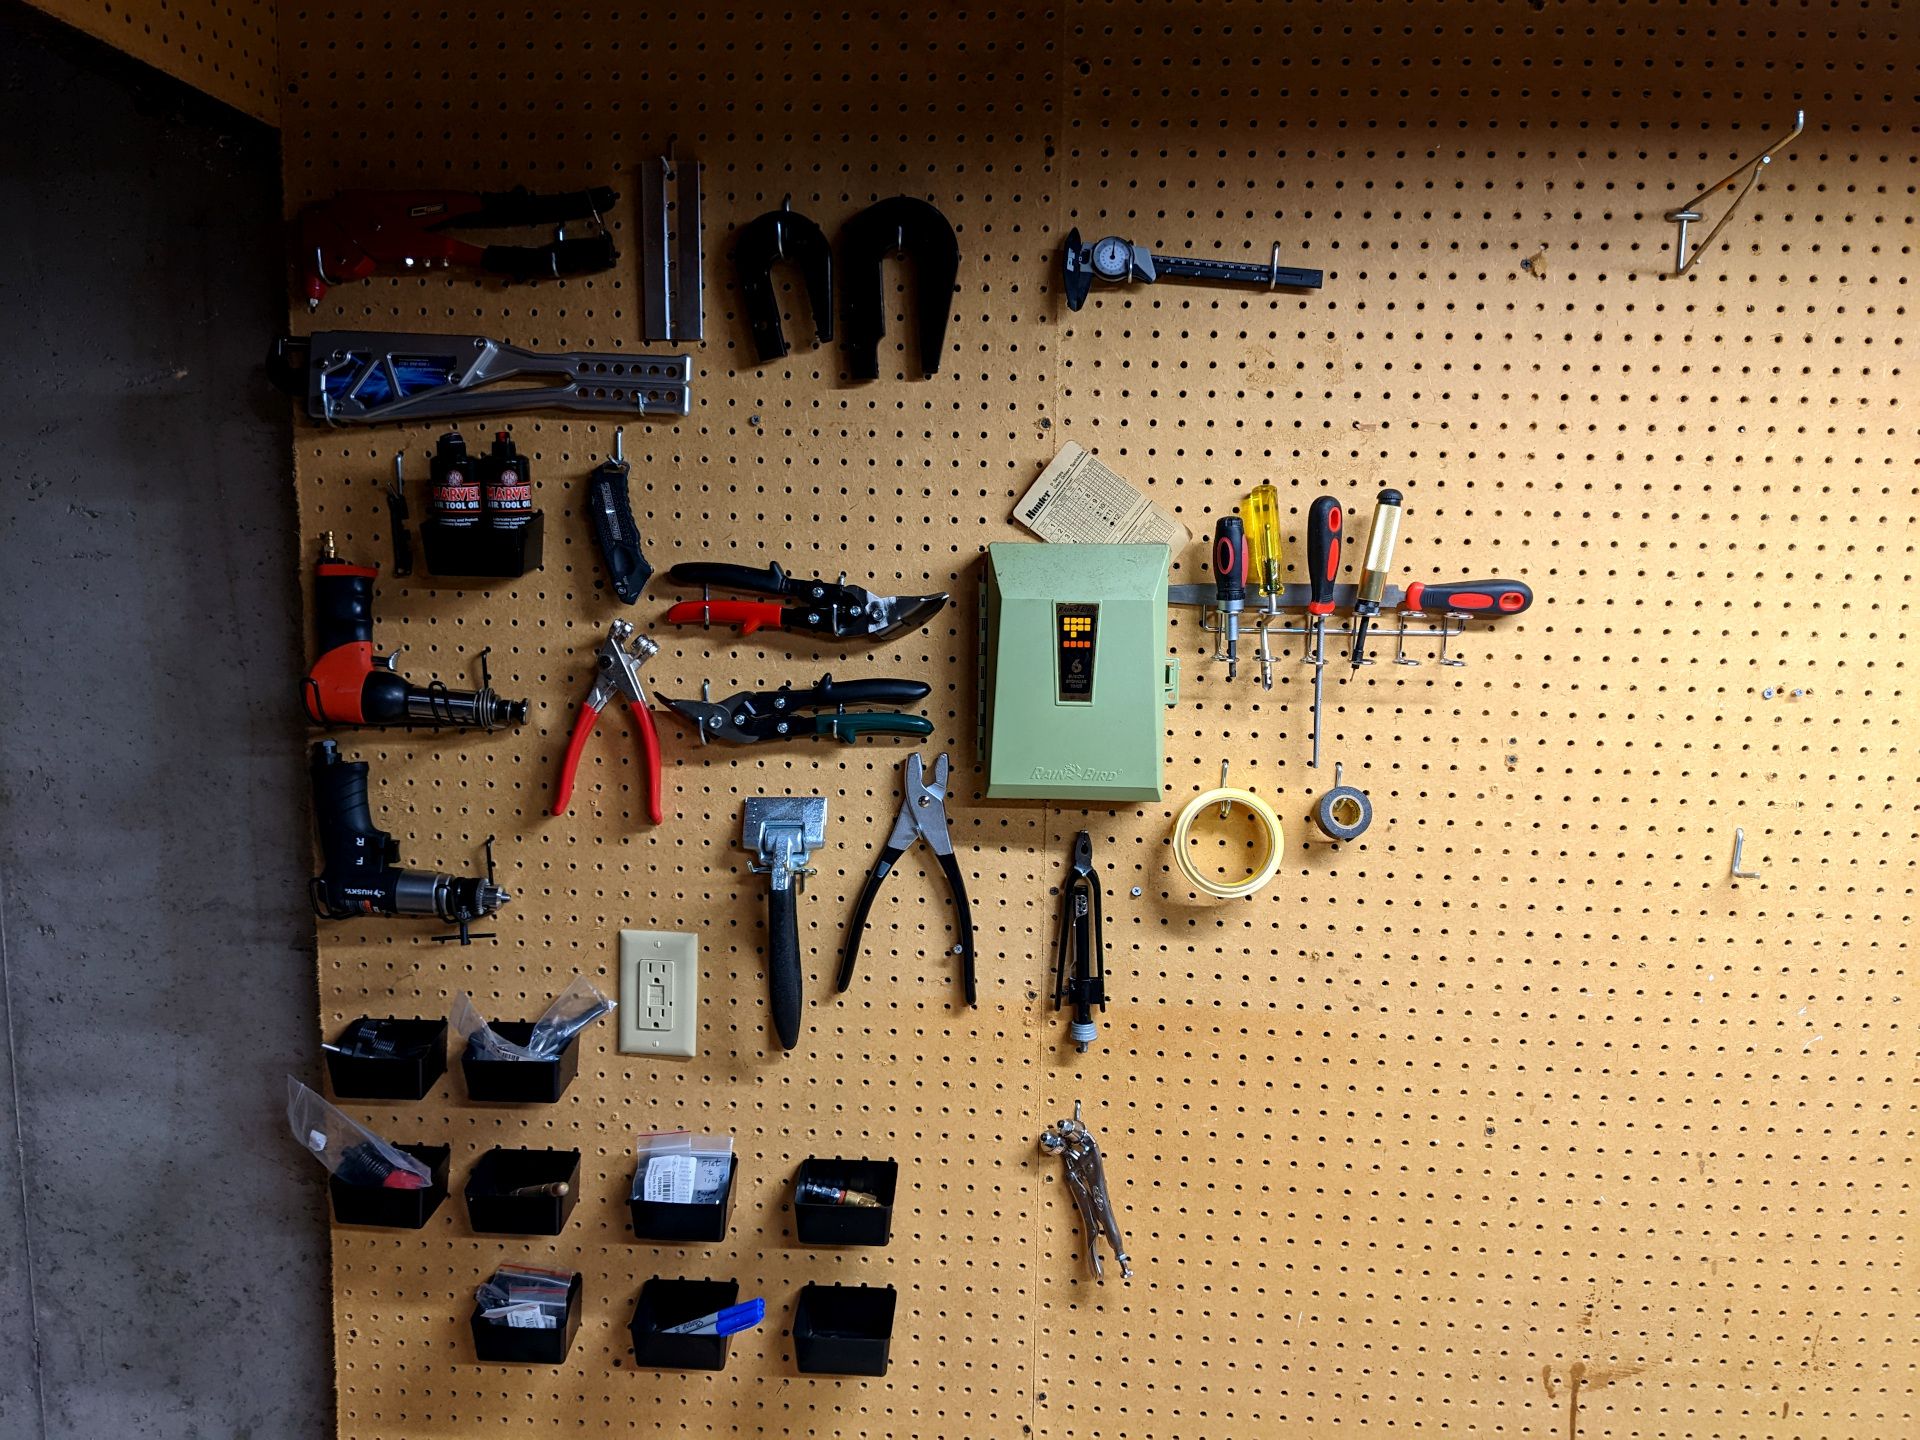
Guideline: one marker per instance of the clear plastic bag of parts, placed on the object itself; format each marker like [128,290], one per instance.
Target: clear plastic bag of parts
[353,1154]
[524,1297]
[681,1167]
[575,1008]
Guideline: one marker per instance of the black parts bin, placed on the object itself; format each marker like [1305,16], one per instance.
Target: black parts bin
[843,1329]
[494,1208]
[519,1082]
[395,1209]
[497,1344]
[418,1060]
[817,1223]
[674,1302]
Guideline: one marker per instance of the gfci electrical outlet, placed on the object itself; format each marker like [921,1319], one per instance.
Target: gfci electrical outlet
[659,992]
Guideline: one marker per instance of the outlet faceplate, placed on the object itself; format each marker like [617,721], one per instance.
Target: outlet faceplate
[659,992]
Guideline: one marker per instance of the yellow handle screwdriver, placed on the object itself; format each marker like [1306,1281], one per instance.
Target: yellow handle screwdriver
[1260,514]
[1379,564]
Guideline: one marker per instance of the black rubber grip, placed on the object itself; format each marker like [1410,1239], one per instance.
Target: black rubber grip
[858,692]
[783,964]
[521,206]
[963,918]
[1230,559]
[542,262]
[1471,597]
[1324,524]
[857,926]
[714,575]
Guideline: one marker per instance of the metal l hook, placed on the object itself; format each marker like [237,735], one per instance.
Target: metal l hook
[1690,212]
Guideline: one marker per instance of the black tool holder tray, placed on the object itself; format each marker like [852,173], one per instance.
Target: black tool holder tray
[843,1329]
[493,1209]
[520,1082]
[497,1344]
[408,1075]
[696,1223]
[395,1209]
[817,1224]
[480,552]
[665,1302]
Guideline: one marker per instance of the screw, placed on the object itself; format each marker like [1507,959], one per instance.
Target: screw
[1136,892]
[1767,694]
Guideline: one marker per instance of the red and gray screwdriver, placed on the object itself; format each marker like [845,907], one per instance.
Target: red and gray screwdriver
[1381,536]
[1324,522]
[1230,583]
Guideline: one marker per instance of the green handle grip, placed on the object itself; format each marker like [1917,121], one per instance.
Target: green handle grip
[851,727]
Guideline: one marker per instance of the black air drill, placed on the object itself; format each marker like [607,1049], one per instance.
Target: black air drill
[361,872]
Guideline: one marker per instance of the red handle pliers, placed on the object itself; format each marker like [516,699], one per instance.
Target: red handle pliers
[619,675]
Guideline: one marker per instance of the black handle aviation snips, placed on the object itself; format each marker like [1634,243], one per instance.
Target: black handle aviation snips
[858,692]
[783,962]
[717,575]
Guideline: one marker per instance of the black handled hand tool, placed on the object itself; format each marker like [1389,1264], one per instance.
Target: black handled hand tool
[350,685]
[783,831]
[360,863]
[755,715]
[831,609]
[1381,536]
[1324,522]
[923,816]
[611,513]
[1080,968]
[1230,582]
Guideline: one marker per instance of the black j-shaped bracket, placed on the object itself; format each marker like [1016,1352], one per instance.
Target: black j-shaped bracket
[782,235]
[900,225]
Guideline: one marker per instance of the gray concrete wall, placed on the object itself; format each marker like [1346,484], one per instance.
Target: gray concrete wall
[162,1243]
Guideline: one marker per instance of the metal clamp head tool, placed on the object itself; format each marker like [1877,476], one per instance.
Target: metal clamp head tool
[922,816]
[1073,1142]
[782,832]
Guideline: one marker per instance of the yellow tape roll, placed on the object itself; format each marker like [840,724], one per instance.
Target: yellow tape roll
[1269,822]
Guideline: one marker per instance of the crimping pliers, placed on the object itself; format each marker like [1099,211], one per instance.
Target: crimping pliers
[754,715]
[619,675]
[360,231]
[923,816]
[831,608]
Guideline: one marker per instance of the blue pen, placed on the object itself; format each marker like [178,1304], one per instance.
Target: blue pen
[743,1316]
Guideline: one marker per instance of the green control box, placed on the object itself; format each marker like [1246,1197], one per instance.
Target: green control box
[1077,671]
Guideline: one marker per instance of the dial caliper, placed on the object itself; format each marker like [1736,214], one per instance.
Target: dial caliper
[1121,262]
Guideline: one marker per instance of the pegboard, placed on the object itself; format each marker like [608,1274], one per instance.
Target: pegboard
[228,48]
[1518,1117]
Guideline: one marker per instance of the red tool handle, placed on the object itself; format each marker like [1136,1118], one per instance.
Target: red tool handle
[650,757]
[749,615]
[1324,523]
[582,728]
[1470,597]
[1230,561]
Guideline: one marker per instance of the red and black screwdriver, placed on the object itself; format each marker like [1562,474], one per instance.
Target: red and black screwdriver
[1230,582]
[1324,522]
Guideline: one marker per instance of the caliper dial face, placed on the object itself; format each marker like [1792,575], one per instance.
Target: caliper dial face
[1112,258]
